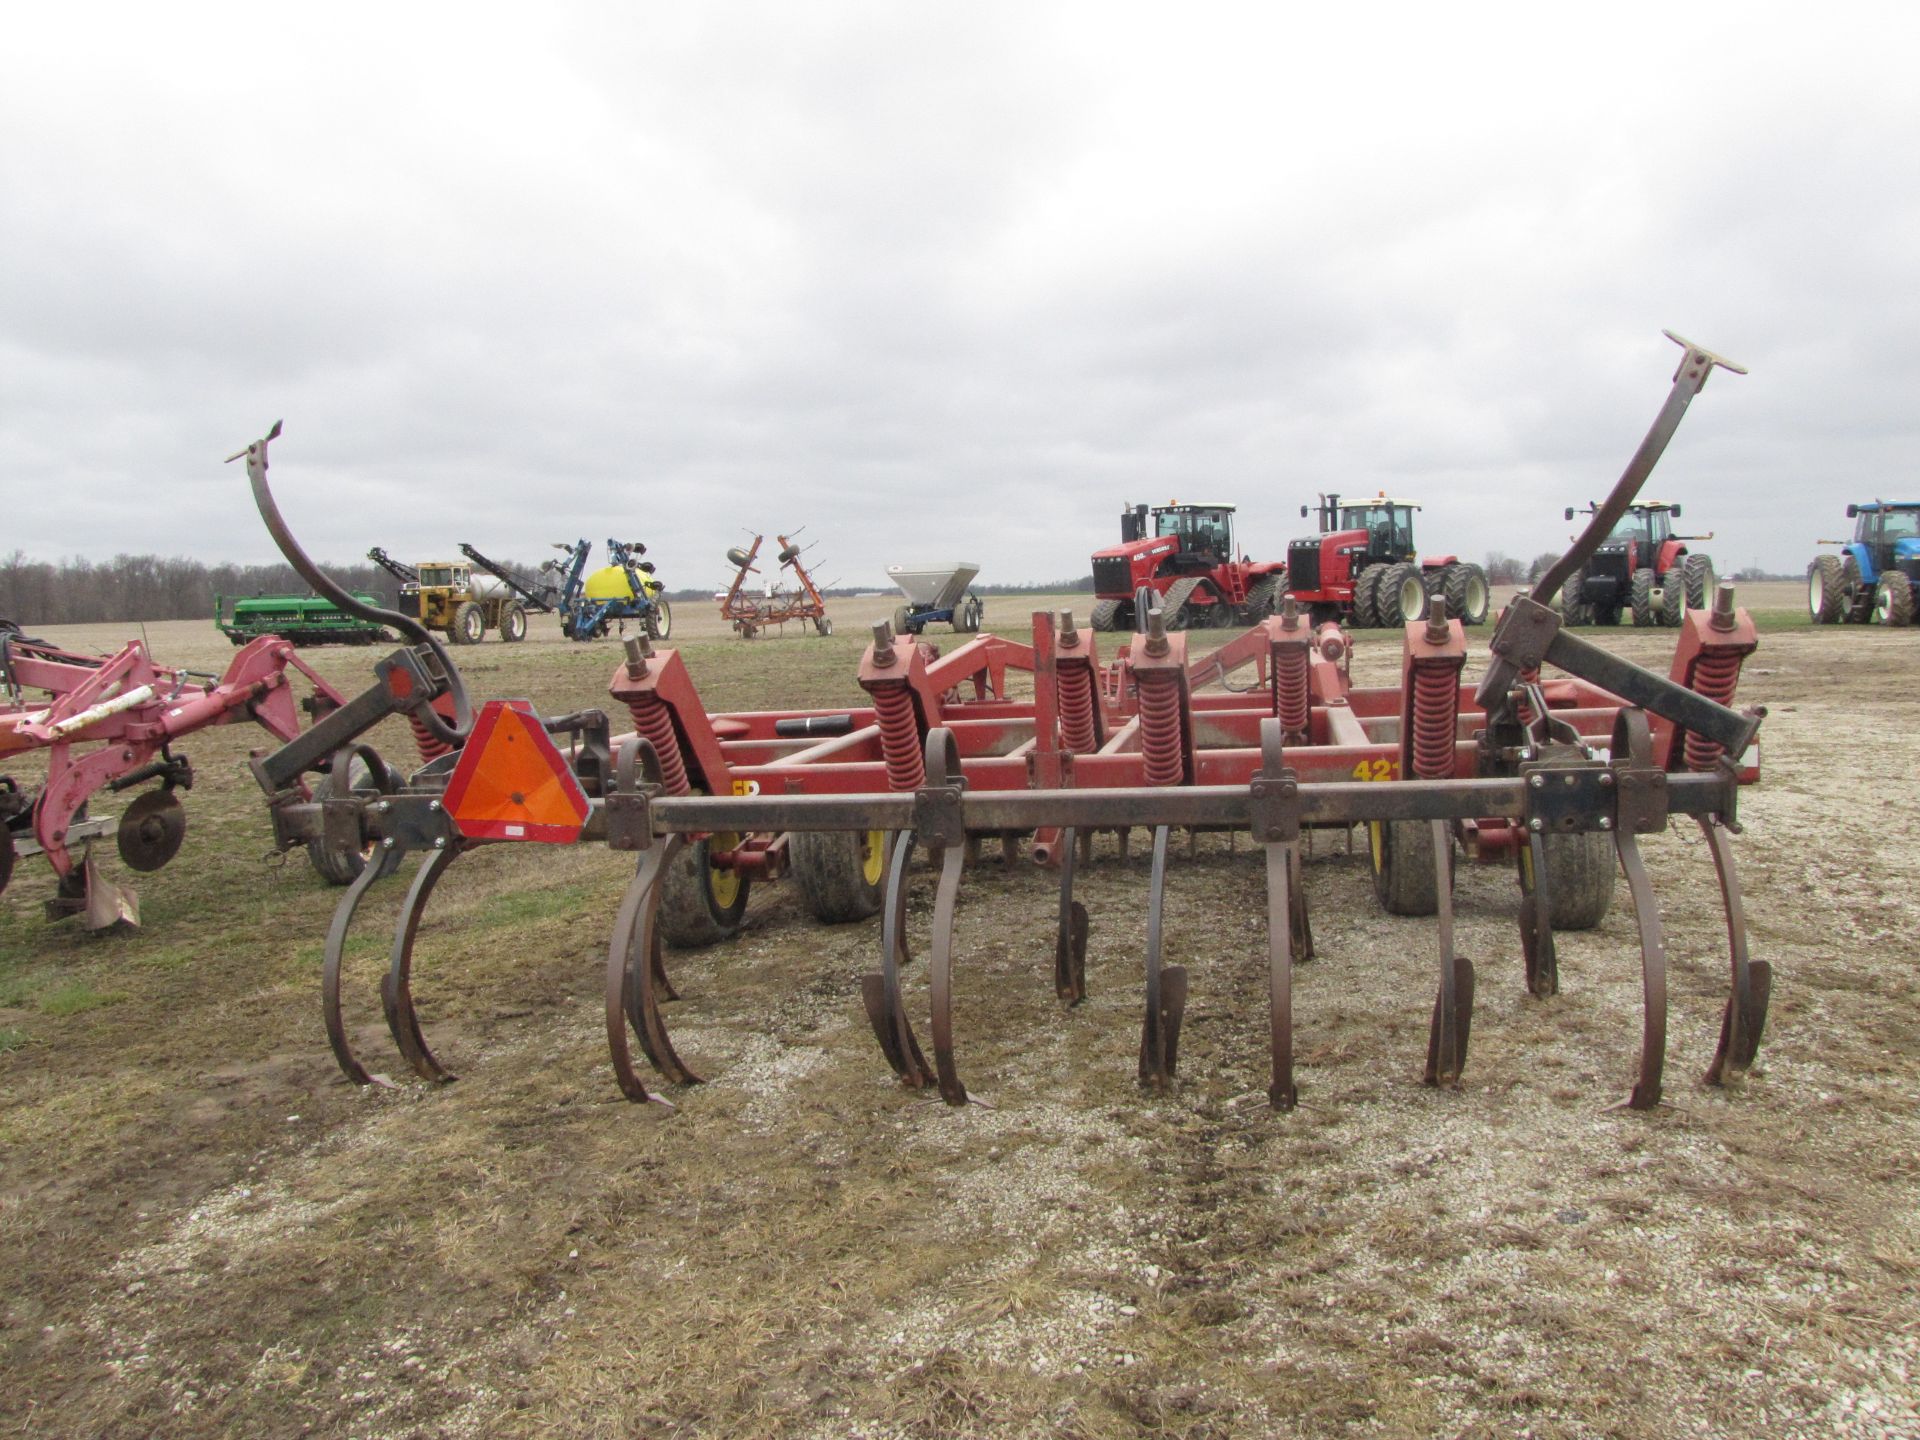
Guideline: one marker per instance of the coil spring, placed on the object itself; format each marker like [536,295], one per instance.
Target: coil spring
[899,737]
[1160,728]
[1076,708]
[1716,674]
[655,724]
[1291,688]
[1436,705]
[431,746]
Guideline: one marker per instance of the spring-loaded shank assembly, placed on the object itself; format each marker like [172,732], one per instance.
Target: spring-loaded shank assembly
[1556,762]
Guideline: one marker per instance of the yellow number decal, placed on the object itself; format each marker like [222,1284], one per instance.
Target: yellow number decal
[1382,769]
[746,787]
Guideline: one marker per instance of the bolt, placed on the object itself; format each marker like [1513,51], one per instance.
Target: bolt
[1536,826]
[1722,619]
[636,658]
[384,806]
[1437,620]
[883,643]
[1289,614]
[1069,636]
[1606,822]
[434,806]
[1537,781]
[387,844]
[1606,779]
[440,842]
[1156,632]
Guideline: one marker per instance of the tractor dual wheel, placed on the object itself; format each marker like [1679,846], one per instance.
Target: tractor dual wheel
[1465,588]
[1642,598]
[1893,600]
[513,623]
[702,903]
[469,623]
[1856,596]
[1400,595]
[1366,606]
[1573,604]
[1826,594]
[1696,573]
[1673,599]
[840,872]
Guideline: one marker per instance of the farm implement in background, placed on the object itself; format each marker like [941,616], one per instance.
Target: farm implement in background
[937,593]
[109,723]
[301,619]
[1557,775]
[779,601]
[624,589]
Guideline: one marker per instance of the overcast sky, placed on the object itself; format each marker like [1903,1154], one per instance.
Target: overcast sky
[944,281]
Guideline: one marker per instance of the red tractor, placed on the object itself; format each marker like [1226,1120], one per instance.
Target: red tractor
[1643,567]
[1189,564]
[1362,568]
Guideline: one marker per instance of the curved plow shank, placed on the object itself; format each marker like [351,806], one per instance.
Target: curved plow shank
[1746,1013]
[1283,862]
[940,975]
[1453,1006]
[1653,975]
[881,991]
[1070,937]
[1166,987]
[396,991]
[343,914]
[1536,919]
[642,892]
[646,982]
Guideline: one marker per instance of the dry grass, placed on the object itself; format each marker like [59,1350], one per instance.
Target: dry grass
[206,1232]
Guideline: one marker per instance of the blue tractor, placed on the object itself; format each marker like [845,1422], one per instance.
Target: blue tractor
[1876,574]
[614,594]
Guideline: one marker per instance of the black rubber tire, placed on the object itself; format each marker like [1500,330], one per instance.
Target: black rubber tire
[1465,586]
[840,872]
[658,620]
[693,910]
[822,625]
[7,853]
[966,615]
[902,621]
[1826,598]
[1106,614]
[738,558]
[1400,595]
[1856,596]
[1403,878]
[513,623]
[1580,879]
[1697,574]
[788,554]
[1642,599]
[1673,598]
[469,623]
[339,867]
[1573,605]
[1893,600]
[1366,608]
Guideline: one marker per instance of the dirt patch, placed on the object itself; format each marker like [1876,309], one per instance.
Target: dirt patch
[206,1232]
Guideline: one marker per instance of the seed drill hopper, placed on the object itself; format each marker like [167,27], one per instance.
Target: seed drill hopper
[1557,774]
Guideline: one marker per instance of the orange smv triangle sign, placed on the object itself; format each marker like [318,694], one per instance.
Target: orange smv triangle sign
[512,782]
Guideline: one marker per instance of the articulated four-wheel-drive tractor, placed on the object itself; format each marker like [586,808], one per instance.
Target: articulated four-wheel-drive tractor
[1875,575]
[1641,567]
[1188,567]
[1362,569]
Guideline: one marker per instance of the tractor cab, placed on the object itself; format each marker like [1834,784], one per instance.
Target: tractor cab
[1204,534]
[445,575]
[1388,525]
[1886,534]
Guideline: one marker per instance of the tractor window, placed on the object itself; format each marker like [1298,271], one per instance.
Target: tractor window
[1630,526]
[1389,527]
[432,575]
[1205,531]
[1899,524]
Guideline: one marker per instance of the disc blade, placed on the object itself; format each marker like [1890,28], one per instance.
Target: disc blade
[151,830]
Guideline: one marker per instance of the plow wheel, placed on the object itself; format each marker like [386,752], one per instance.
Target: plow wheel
[840,872]
[1825,590]
[151,830]
[1366,599]
[343,867]
[1403,866]
[702,903]
[658,621]
[637,979]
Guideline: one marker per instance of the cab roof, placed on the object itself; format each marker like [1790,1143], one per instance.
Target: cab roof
[1192,505]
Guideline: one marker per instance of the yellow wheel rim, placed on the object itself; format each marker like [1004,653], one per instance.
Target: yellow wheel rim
[725,884]
[1376,839]
[873,856]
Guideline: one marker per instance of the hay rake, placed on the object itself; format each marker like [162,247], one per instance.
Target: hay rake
[1558,775]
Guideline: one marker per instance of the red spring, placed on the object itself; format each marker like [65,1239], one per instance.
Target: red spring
[1716,674]
[432,747]
[899,737]
[1160,728]
[1292,699]
[1436,711]
[1076,708]
[654,722]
